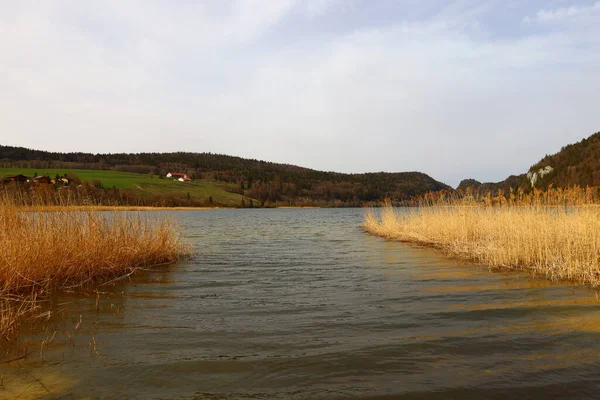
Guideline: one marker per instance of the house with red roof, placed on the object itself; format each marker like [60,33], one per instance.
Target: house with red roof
[177,176]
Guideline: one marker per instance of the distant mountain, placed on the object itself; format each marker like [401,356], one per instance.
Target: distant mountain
[574,164]
[268,183]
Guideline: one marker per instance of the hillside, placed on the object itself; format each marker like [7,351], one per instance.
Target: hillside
[575,164]
[144,189]
[265,182]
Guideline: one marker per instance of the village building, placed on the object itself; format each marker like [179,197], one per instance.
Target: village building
[41,179]
[17,178]
[59,181]
[177,176]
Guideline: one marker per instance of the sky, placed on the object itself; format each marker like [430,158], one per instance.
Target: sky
[456,89]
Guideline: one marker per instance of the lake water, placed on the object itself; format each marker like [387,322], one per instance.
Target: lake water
[301,304]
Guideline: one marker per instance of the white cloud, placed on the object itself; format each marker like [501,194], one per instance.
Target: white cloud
[316,8]
[564,14]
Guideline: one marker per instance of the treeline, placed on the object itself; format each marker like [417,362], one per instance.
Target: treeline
[268,183]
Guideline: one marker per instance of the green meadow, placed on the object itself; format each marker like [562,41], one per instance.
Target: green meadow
[220,192]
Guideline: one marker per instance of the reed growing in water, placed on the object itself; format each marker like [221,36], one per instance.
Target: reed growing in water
[41,252]
[555,234]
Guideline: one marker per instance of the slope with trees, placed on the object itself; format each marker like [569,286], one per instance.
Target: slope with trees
[270,184]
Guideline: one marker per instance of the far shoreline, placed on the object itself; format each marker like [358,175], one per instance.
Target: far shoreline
[150,208]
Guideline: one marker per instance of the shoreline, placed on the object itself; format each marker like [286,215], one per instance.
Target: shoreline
[146,208]
[540,241]
[105,208]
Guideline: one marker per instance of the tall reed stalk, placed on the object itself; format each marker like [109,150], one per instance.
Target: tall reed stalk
[554,234]
[42,252]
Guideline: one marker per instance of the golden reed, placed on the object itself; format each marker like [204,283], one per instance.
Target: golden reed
[555,234]
[42,252]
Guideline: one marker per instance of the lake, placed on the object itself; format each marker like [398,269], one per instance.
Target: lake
[301,304]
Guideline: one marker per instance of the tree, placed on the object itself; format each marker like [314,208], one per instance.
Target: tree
[73,178]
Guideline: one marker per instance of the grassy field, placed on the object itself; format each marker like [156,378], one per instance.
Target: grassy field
[108,178]
[143,183]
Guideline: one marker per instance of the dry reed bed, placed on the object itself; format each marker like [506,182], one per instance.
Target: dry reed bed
[42,252]
[559,243]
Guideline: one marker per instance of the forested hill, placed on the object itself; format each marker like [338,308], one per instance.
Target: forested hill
[267,182]
[575,164]
[513,181]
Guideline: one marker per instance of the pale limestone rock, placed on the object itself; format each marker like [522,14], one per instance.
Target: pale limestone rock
[534,176]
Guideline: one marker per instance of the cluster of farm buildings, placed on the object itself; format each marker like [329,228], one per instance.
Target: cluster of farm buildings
[63,181]
[42,180]
[176,176]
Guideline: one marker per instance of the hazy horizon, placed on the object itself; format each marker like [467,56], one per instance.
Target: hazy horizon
[460,89]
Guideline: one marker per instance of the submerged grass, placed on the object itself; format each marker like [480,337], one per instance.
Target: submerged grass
[42,252]
[559,242]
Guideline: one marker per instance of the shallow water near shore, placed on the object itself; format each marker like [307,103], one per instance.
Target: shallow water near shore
[301,304]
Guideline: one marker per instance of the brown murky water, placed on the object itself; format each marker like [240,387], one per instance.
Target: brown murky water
[301,304]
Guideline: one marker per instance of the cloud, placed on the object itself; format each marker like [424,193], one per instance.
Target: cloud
[319,8]
[400,99]
[564,14]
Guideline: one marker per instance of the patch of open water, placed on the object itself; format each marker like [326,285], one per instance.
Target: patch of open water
[301,304]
